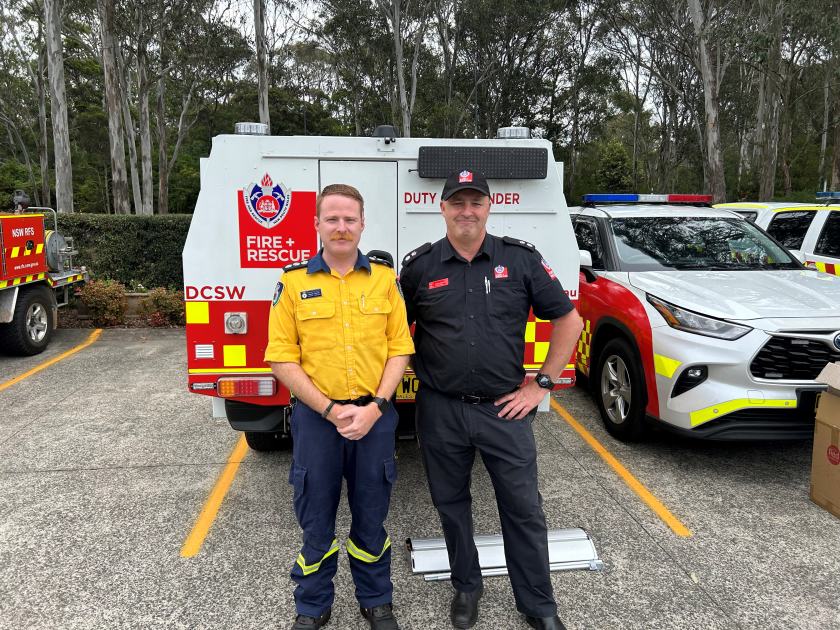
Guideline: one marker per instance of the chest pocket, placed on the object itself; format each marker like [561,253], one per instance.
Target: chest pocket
[508,304]
[315,325]
[372,319]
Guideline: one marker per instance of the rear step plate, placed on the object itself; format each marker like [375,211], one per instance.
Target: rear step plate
[567,549]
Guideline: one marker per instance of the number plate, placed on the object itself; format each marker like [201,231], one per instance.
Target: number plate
[407,388]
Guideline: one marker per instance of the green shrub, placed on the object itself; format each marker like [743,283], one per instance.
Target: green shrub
[130,249]
[164,307]
[105,301]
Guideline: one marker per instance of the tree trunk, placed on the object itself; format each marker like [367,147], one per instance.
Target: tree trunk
[145,130]
[58,108]
[131,141]
[711,101]
[44,142]
[119,177]
[163,158]
[262,67]
[768,125]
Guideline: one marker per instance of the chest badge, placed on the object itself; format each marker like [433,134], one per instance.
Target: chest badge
[310,293]
[500,272]
[436,284]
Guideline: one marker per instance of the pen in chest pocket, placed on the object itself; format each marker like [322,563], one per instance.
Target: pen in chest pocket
[486,285]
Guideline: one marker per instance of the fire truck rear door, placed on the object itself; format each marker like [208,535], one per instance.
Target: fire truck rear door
[377,181]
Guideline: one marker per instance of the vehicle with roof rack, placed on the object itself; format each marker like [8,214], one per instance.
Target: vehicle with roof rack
[812,229]
[696,319]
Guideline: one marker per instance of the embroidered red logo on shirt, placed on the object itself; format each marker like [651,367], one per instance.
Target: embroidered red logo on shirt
[548,269]
[500,272]
[436,284]
[464,177]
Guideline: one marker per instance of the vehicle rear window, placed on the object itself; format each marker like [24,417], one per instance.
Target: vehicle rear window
[789,228]
[829,242]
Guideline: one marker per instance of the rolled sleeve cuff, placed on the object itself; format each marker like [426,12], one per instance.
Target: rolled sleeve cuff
[282,353]
[400,347]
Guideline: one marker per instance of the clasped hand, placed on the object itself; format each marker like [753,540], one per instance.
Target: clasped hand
[354,422]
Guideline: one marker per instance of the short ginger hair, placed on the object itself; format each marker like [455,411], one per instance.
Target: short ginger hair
[345,190]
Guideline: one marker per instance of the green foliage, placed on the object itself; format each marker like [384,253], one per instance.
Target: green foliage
[164,308]
[130,249]
[614,173]
[105,300]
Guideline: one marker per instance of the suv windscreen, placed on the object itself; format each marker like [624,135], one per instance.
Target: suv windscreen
[681,243]
[829,241]
[789,228]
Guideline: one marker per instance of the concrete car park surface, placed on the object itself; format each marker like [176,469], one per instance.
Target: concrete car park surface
[106,462]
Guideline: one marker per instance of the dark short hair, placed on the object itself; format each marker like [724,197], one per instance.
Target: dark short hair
[345,190]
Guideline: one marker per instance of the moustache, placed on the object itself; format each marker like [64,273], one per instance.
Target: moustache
[341,237]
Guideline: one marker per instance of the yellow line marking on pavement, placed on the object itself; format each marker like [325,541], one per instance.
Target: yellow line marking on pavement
[193,543]
[644,494]
[42,366]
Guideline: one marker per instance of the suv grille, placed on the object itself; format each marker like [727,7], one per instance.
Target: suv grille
[791,358]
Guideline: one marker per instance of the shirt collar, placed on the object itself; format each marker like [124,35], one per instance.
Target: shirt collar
[317,263]
[447,251]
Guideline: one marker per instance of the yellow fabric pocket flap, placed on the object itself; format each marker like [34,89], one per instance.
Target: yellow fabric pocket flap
[374,306]
[315,309]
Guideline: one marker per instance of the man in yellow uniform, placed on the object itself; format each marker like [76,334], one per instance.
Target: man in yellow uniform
[339,340]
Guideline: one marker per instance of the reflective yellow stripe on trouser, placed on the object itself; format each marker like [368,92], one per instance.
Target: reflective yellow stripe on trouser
[363,555]
[311,568]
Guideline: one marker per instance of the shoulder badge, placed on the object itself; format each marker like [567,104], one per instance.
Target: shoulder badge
[298,265]
[278,291]
[414,255]
[510,240]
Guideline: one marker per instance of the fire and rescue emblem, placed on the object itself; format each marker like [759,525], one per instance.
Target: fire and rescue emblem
[267,202]
[464,177]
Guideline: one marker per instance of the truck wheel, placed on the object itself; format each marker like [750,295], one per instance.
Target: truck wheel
[31,328]
[265,441]
[619,391]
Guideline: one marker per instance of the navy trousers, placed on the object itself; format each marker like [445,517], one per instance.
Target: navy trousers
[450,431]
[321,457]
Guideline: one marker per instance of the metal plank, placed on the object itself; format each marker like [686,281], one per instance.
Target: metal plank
[570,548]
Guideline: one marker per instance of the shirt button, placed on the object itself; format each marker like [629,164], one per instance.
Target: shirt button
[472,316]
[469,290]
[472,343]
[346,324]
[349,347]
[473,371]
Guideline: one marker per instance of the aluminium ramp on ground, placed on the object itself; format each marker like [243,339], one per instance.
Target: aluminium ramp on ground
[570,548]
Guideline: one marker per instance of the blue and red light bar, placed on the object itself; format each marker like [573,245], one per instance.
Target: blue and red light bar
[633,198]
[829,195]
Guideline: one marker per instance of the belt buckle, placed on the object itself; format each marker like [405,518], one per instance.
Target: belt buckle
[471,400]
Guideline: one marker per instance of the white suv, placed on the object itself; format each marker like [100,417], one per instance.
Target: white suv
[696,319]
[811,229]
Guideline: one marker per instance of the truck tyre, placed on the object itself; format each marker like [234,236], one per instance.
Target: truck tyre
[265,441]
[31,328]
[619,389]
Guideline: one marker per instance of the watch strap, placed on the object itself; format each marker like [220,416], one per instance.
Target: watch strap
[326,411]
[382,403]
[541,377]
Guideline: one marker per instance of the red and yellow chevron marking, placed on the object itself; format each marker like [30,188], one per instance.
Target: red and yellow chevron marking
[21,280]
[68,280]
[824,267]
[21,252]
[584,347]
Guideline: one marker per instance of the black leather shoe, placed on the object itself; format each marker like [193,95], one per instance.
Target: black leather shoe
[380,617]
[464,608]
[305,622]
[545,623]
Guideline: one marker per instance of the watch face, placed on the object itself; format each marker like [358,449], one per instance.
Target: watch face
[544,381]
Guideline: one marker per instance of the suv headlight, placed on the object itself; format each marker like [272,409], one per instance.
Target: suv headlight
[692,322]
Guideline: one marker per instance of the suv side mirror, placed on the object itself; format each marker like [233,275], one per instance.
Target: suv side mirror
[585,258]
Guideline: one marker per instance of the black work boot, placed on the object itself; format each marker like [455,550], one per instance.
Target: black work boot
[545,623]
[305,622]
[464,608]
[380,617]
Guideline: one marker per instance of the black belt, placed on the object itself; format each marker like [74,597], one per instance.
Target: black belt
[471,399]
[359,402]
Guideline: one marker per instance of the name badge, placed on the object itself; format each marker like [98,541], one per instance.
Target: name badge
[310,293]
[436,284]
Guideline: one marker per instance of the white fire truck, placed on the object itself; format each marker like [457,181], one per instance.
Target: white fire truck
[255,214]
[36,275]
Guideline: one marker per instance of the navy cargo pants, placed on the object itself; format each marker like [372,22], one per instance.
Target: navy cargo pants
[450,431]
[320,458]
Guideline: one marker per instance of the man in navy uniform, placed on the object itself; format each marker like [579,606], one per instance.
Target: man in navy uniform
[469,295]
[338,339]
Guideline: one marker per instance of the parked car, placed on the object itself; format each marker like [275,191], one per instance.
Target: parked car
[813,230]
[697,320]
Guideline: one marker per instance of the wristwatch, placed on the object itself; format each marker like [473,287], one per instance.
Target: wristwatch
[544,380]
[382,403]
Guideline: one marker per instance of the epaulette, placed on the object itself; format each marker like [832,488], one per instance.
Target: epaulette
[519,243]
[410,257]
[382,257]
[298,265]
